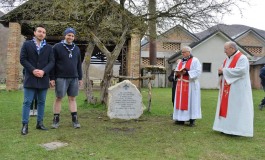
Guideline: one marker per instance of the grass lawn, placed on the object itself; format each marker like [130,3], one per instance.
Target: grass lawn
[153,136]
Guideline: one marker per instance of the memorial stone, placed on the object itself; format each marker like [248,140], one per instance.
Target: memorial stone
[124,101]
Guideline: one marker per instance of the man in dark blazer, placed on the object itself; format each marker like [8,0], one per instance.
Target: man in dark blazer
[173,78]
[262,80]
[37,58]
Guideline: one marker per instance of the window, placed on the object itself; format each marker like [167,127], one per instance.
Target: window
[256,50]
[171,46]
[159,61]
[206,67]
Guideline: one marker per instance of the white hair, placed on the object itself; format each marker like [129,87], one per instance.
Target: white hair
[232,44]
[187,48]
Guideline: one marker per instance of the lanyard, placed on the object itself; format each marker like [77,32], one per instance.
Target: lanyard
[68,49]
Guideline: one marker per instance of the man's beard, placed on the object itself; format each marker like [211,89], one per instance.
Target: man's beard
[39,38]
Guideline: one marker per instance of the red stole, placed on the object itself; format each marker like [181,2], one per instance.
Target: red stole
[182,88]
[226,90]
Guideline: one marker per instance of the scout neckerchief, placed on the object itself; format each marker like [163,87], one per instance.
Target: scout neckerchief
[226,90]
[182,89]
[42,44]
[68,49]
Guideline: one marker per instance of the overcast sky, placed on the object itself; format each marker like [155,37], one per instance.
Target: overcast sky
[253,15]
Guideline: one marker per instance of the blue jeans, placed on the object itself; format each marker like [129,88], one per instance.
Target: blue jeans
[28,98]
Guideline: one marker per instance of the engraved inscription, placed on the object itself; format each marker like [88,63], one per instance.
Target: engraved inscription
[125,101]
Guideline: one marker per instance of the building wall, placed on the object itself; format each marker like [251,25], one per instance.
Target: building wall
[254,76]
[177,36]
[211,51]
[252,40]
[3,50]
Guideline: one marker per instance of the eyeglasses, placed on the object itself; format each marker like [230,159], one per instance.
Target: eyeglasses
[228,48]
[184,51]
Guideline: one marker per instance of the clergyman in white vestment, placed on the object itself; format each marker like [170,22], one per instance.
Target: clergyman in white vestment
[234,113]
[187,102]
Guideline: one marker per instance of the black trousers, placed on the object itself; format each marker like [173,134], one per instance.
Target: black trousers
[262,101]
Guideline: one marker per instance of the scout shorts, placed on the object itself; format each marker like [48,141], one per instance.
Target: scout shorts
[66,85]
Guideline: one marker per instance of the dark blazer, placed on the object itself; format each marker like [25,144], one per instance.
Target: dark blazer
[262,76]
[30,60]
[173,79]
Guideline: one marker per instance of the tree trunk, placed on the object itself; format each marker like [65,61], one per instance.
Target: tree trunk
[111,58]
[149,95]
[152,32]
[87,83]
[105,83]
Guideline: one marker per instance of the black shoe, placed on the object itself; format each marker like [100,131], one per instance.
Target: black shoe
[261,106]
[179,122]
[75,121]
[24,129]
[192,123]
[40,126]
[55,123]
[76,124]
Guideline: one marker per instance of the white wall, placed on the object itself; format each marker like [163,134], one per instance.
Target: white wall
[211,51]
[158,54]
[96,71]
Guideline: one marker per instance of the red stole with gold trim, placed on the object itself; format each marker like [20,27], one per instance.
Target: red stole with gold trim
[182,88]
[226,89]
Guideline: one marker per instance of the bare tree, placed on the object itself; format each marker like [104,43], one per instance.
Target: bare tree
[94,20]
[191,14]
[8,5]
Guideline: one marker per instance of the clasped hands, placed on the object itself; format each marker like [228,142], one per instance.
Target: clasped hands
[52,83]
[38,73]
[220,70]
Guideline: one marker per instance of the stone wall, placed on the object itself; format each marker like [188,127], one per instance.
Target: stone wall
[251,40]
[254,76]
